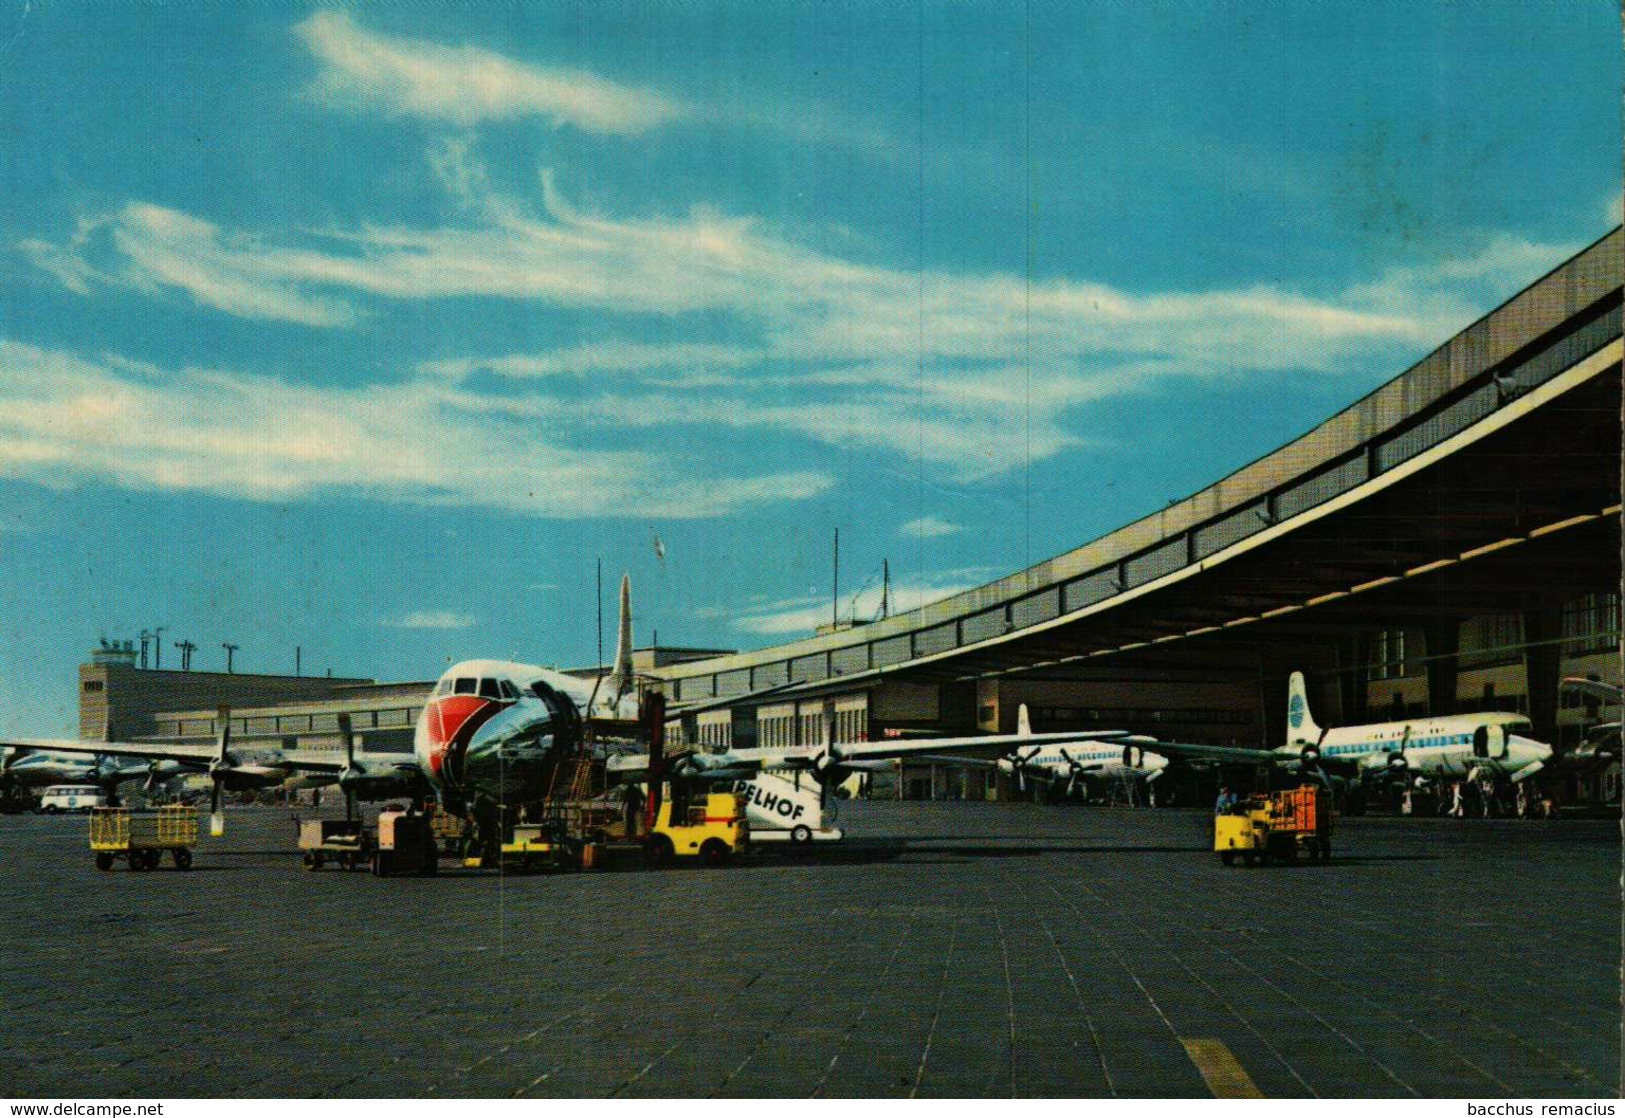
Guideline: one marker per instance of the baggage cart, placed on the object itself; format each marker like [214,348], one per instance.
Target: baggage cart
[347,842]
[1275,827]
[142,837]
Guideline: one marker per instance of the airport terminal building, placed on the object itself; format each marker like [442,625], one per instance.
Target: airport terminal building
[1448,543]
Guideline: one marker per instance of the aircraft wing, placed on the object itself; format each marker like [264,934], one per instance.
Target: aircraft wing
[860,754]
[146,751]
[1606,692]
[331,760]
[1229,754]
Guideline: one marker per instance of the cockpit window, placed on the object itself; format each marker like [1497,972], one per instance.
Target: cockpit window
[509,693]
[444,688]
[467,686]
[488,689]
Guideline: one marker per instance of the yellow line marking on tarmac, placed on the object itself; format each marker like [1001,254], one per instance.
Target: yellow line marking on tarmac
[1225,1077]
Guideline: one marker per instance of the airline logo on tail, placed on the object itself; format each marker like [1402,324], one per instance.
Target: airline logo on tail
[1297,712]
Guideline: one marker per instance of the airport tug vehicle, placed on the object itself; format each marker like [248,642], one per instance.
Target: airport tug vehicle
[346,842]
[709,826]
[142,837]
[1275,827]
[689,824]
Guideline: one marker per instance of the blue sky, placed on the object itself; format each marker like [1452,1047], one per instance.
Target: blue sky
[369,329]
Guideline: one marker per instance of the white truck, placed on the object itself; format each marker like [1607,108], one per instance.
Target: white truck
[786,807]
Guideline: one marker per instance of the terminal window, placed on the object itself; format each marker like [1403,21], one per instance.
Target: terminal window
[93,685]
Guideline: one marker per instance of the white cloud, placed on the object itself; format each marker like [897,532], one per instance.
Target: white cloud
[64,418]
[435,619]
[802,615]
[974,374]
[611,356]
[928,527]
[467,85]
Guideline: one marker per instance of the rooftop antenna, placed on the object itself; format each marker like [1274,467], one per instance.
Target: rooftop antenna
[230,648]
[158,647]
[298,659]
[885,589]
[145,637]
[600,613]
[835,592]
[187,648]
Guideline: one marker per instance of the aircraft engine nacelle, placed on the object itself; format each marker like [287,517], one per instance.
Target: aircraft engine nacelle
[248,778]
[379,786]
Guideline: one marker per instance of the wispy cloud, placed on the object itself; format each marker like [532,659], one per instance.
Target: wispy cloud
[802,615]
[435,619]
[928,527]
[467,85]
[613,356]
[937,367]
[64,417]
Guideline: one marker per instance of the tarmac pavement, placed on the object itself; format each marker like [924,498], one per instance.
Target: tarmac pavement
[945,949]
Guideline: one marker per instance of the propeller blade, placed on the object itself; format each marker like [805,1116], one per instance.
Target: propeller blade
[217,818]
[1527,771]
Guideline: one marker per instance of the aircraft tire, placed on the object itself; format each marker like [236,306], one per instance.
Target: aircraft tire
[182,858]
[104,862]
[801,834]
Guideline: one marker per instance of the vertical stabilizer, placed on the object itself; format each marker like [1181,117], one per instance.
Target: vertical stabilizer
[1300,724]
[1024,723]
[620,676]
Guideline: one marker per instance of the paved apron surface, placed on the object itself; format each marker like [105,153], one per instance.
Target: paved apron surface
[947,949]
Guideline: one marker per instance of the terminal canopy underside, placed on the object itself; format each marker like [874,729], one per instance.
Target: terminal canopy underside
[1482,484]
[1490,528]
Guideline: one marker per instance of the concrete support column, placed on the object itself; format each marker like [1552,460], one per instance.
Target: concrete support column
[1542,662]
[1442,637]
[1352,652]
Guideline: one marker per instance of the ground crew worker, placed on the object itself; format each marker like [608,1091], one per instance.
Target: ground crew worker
[1226,800]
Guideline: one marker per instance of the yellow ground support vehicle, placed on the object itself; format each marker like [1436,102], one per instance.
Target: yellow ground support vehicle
[1274,827]
[347,842]
[141,838]
[709,826]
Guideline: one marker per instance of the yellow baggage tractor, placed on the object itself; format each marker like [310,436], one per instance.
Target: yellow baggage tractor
[141,837]
[1274,827]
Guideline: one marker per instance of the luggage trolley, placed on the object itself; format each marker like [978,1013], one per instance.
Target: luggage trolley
[141,838]
[1275,827]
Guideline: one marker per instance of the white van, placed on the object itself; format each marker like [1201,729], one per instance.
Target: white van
[71,797]
[790,809]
